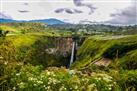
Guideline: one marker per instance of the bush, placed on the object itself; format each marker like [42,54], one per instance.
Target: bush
[34,78]
[128,80]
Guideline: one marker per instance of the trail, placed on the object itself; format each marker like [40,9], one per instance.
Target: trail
[103,62]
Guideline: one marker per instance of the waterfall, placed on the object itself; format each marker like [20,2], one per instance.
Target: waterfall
[72,53]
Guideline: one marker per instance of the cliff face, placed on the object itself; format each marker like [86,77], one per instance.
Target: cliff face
[64,45]
[60,46]
[37,49]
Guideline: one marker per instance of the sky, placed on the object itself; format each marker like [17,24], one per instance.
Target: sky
[72,11]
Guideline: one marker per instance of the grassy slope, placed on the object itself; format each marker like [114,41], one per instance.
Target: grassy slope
[129,60]
[7,28]
[27,42]
[25,26]
[31,28]
[96,48]
[29,48]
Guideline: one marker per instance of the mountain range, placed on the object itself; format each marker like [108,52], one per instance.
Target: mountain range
[51,21]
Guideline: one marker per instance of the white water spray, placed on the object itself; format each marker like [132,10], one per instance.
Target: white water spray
[72,54]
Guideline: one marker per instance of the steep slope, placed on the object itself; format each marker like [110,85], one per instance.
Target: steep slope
[30,48]
[115,49]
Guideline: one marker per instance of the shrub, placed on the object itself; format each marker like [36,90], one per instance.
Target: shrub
[34,78]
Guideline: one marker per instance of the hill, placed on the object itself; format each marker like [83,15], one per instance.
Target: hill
[50,21]
[7,20]
[122,49]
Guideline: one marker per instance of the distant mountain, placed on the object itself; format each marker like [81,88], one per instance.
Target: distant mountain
[50,21]
[7,20]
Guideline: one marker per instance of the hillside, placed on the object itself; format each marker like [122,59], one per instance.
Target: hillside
[31,48]
[25,27]
[50,21]
[35,57]
[115,49]
[15,28]
[98,29]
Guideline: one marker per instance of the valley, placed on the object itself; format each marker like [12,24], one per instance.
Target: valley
[39,57]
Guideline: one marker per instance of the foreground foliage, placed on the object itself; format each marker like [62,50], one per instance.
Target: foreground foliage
[20,77]
[34,78]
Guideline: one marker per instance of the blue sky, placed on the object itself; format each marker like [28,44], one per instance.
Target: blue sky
[73,11]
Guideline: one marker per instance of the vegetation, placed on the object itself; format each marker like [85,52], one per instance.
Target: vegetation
[96,48]
[123,55]
[26,65]
[28,77]
[25,27]
[31,27]
[30,48]
[97,29]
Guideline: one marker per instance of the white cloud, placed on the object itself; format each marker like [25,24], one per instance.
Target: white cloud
[42,9]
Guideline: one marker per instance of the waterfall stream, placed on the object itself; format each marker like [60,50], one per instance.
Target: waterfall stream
[72,54]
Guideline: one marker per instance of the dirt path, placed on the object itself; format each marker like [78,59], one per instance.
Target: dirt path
[103,62]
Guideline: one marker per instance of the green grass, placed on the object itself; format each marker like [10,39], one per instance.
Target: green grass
[129,60]
[28,43]
[96,48]
[7,28]
[24,62]
[31,28]
[23,40]
[30,48]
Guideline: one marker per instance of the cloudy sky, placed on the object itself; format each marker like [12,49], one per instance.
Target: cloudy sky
[74,11]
